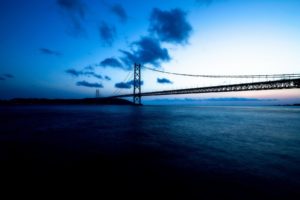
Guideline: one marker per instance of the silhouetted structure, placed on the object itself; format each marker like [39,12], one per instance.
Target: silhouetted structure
[97,93]
[137,84]
[87,101]
[266,85]
[282,81]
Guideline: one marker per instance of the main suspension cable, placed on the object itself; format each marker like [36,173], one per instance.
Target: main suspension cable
[227,76]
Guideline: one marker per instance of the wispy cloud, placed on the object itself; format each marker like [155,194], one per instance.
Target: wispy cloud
[89,68]
[164,81]
[93,74]
[74,72]
[76,12]
[119,11]
[107,33]
[4,77]
[88,84]
[107,78]
[49,52]
[8,75]
[111,62]
[77,73]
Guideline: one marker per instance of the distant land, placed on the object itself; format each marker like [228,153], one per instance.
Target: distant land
[86,101]
[116,101]
[223,101]
[296,104]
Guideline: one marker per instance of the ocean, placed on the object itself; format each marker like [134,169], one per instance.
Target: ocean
[147,151]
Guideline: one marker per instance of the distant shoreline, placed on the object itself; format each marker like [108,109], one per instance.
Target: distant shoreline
[86,101]
[297,104]
[90,101]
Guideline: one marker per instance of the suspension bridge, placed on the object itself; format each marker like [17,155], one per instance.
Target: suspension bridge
[266,82]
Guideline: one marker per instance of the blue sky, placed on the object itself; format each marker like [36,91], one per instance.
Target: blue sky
[69,48]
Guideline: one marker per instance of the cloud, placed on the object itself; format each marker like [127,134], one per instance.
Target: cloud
[123,85]
[128,59]
[88,84]
[164,81]
[165,26]
[107,33]
[107,78]
[170,26]
[89,68]
[147,50]
[126,85]
[93,74]
[4,77]
[74,72]
[150,51]
[111,62]
[49,52]
[73,6]
[8,75]
[76,11]
[120,12]
[78,73]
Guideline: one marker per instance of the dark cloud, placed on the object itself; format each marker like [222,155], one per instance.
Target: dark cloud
[164,81]
[123,85]
[78,73]
[146,51]
[76,11]
[111,62]
[8,76]
[165,26]
[74,72]
[126,85]
[128,59]
[93,74]
[4,77]
[120,12]
[170,26]
[107,33]
[49,52]
[150,51]
[88,84]
[107,78]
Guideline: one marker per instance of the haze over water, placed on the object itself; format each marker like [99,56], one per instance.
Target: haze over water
[236,152]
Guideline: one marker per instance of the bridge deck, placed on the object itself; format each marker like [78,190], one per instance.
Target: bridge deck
[266,85]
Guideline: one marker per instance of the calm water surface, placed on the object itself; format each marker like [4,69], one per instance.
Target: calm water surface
[235,152]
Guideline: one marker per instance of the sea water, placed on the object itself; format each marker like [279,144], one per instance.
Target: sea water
[196,150]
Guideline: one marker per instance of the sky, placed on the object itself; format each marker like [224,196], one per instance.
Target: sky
[70,48]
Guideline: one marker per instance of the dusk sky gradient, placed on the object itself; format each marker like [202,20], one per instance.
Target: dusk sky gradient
[69,48]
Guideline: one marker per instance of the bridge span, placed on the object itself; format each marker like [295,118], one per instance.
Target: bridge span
[266,85]
[282,81]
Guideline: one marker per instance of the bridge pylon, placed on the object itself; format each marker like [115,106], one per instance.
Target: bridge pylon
[137,84]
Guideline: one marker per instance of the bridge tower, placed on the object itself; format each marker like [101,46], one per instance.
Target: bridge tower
[97,93]
[137,84]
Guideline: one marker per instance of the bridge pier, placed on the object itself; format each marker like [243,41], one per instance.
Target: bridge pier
[137,85]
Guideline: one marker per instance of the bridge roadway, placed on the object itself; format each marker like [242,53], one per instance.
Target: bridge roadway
[266,85]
